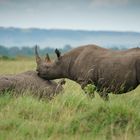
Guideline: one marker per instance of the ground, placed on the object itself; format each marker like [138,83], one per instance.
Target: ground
[69,116]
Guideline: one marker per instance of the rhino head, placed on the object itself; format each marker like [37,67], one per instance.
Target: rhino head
[49,69]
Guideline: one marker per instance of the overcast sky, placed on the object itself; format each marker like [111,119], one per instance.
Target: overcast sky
[119,15]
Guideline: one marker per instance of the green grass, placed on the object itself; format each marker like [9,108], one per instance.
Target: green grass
[70,116]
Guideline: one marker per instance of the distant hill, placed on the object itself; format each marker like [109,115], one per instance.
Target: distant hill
[59,38]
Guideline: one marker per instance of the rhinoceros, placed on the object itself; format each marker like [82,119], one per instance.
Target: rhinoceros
[30,81]
[110,71]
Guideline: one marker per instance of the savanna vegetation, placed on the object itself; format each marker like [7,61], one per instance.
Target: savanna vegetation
[69,116]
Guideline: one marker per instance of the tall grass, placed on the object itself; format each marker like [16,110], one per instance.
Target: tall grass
[70,115]
[16,66]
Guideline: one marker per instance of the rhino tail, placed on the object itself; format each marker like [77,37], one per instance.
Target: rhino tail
[138,70]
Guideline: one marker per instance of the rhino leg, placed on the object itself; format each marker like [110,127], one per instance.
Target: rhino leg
[104,95]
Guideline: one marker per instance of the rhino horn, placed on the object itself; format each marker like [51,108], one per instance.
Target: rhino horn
[38,59]
[47,59]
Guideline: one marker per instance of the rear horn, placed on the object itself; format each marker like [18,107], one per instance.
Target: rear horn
[47,59]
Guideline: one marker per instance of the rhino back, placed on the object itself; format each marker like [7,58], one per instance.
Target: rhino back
[86,60]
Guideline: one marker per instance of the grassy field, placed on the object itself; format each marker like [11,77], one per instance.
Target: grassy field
[70,116]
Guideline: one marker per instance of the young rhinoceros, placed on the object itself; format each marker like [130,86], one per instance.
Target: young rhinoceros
[30,81]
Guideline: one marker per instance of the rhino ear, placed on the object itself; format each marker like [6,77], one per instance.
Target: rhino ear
[58,53]
[47,59]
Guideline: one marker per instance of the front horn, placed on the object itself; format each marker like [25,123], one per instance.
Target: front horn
[38,59]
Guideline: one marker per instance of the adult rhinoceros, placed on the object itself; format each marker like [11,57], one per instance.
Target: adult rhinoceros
[110,71]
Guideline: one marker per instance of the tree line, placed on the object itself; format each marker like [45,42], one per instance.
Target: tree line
[28,51]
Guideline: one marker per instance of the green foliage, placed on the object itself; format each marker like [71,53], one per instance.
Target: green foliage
[90,89]
[6,58]
[69,116]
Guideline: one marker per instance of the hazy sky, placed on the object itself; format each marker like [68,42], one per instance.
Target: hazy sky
[122,15]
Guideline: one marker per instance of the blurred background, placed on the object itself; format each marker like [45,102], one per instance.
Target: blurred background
[65,24]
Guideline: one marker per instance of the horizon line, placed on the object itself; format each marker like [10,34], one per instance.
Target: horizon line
[80,29]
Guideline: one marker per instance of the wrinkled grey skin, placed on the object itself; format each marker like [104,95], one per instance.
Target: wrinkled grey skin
[110,71]
[30,81]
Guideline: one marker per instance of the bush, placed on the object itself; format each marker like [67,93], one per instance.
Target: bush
[6,58]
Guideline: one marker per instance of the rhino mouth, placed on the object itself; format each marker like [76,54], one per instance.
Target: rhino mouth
[43,76]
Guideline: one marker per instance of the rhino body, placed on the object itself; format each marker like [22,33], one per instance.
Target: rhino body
[30,81]
[108,70]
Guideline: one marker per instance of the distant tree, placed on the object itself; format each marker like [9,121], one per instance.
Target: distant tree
[47,50]
[29,51]
[3,50]
[26,51]
[114,48]
[123,47]
[13,51]
[67,48]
